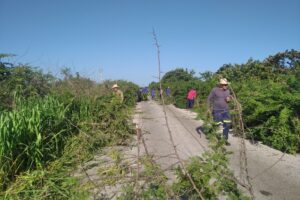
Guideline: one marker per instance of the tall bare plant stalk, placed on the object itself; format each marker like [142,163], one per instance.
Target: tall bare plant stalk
[167,122]
[243,152]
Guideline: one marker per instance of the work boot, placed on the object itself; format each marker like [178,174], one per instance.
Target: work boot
[227,143]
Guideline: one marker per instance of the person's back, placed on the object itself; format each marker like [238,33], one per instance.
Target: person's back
[139,95]
[145,91]
[191,98]
[153,93]
[192,94]
[168,91]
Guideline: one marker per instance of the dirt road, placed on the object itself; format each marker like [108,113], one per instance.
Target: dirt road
[273,175]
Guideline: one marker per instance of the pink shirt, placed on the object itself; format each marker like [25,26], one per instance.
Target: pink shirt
[192,94]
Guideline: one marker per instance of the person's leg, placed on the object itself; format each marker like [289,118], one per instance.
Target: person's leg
[189,103]
[217,117]
[192,103]
[226,123]
[226,130]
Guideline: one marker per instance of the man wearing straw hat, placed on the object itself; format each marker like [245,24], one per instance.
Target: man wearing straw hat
[118,93]
[218,103]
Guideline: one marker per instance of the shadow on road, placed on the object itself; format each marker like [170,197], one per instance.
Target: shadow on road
[200,130]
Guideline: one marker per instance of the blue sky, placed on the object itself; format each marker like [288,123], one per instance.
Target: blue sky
[115,36]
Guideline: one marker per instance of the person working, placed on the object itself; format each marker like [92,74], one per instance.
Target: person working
[191,96]
[218,104]
[153,93]
[168,91]
[118,93]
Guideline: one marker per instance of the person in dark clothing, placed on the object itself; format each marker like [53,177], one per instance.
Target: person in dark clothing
[218,105]
[168,91]
[139,95]
[153,93]
[145,92]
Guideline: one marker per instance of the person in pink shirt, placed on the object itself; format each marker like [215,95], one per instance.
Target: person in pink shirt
[191,96]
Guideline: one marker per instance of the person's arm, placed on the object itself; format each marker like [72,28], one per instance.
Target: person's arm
[229,97]
[210,100]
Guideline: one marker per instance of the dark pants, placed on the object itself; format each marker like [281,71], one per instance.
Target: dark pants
[190,103]
[222,117]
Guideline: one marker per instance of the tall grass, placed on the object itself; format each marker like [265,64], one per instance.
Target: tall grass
[34,135]
[31,135]
[102,115]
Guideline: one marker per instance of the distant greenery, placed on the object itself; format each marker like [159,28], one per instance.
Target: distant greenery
[268,90]
[180,82]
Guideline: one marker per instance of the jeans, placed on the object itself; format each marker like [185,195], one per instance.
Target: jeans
[223,117]
[190,103]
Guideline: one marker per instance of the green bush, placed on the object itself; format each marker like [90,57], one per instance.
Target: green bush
[24,79]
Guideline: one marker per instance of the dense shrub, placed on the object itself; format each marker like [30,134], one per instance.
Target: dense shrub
[21,78]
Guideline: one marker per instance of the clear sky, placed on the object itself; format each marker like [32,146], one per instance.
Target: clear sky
[115,36]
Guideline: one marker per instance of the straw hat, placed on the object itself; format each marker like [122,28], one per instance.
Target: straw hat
[223,81]
[115,86]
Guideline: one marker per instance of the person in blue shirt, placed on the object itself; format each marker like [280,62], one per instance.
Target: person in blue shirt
[168,91]
[145,92]
[153,93]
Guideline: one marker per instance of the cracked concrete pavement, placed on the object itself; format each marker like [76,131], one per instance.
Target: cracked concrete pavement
[273,175]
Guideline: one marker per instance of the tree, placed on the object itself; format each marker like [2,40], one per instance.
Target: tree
[178,74]
[23,79]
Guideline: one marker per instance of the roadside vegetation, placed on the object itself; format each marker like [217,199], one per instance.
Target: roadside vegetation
[50,126]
